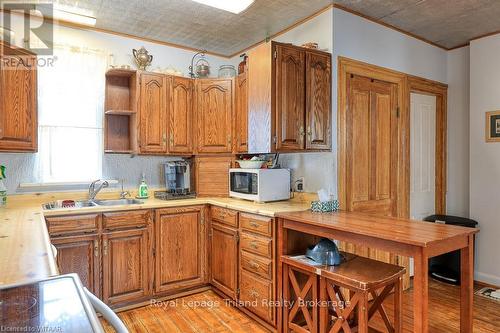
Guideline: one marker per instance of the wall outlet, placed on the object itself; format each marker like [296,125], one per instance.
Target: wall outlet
[299,184]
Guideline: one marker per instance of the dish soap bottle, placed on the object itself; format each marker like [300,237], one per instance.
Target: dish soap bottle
[143,188]
[3,189]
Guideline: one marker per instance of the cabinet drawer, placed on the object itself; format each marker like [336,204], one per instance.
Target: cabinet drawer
[255,244]
[258,265]
[225,216]
[73,224]
[258,224]
[256,293]
[128,219]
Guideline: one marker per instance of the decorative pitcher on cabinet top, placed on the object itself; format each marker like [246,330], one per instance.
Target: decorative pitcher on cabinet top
[142,58]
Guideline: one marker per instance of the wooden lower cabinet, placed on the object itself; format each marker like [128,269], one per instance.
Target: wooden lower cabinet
[125,262]
[180,243]
[224,259]
[80,255]
[257,293]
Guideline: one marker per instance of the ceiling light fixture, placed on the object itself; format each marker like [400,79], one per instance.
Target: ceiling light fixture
[233,6]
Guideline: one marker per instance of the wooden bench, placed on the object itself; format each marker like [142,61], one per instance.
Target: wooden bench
[314,302]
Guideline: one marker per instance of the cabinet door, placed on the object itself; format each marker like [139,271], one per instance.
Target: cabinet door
[80,255]
[318,101]
[241,113]
[125,263]
[180,255]
[224,259]
[290,91]
[214,115]
[180,115]
[18,106]
[152,114]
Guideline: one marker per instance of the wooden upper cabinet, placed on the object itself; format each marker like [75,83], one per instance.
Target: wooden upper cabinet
[153,114]
[241,114]
[180,115]
[125,262]
[18,100]
[80,255]
[214,115]
[181,256]
[318,101]
[290,95]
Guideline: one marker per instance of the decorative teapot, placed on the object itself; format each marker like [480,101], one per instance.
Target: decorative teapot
[142,58]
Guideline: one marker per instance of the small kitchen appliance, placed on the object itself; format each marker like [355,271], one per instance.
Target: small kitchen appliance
[260,185]
[178,181]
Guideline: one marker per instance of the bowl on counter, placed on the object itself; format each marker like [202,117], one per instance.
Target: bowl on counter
[250,164]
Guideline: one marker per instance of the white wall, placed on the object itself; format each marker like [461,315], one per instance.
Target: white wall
[20,167]
[458,132]
[485,157]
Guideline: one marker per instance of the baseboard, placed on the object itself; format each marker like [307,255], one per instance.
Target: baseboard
[487,279]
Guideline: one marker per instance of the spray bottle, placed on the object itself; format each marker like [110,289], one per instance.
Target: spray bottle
[3,189]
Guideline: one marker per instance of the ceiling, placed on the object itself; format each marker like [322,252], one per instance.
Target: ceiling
[447,23]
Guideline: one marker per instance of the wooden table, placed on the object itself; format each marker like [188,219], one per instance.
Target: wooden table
[417,239]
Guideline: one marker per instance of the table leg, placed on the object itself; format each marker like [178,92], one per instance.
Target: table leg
[421,293]
[467,286]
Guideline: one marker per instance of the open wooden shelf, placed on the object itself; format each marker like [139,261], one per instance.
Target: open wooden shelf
[121,72]
[110,151]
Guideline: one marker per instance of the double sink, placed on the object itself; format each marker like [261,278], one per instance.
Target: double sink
[89,203]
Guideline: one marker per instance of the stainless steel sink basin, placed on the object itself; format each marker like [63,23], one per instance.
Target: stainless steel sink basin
[59,204]
[118,202]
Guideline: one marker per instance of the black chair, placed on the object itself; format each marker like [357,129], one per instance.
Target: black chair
[446,267]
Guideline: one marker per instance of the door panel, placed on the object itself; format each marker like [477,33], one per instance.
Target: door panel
[180,244]
[290,94]
[152,122]
[18,104]
[224,259]
[80,255]
[180,115]
[214,115]
[318,101]
[372,139]
[422,155]
[241,113]
[125,265]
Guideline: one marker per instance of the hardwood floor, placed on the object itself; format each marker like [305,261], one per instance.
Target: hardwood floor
[212,314]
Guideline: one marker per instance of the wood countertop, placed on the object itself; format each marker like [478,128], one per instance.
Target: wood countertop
[412,232]
[24,240]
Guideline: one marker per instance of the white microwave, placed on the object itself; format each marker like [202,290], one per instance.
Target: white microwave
[261,185]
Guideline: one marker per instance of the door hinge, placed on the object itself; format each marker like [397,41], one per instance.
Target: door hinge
[238,292]
[397,112]
[275,54]
[202,220]
[237,236]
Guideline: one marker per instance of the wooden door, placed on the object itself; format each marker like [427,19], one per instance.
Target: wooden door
[180,115]
[290,94]
[214,115]
[180,255]
[125,265]
[372,146]
[80,255]
[224,259]
[241,113]
[152,114]
[318,101]
[18,102]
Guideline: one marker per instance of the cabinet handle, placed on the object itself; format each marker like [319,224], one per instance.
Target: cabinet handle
[309,133]
[301,134]
[253,244]
[171,139]
[105,247]
[254,224]
[229,141]
[253,264]
[254,294]
[96,248]
[164,138]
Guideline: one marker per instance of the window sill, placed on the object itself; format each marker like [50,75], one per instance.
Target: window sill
[58,186]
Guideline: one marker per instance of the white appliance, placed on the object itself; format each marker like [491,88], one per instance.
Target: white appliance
[261,185]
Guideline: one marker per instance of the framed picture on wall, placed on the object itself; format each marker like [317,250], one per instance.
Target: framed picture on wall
[493,126]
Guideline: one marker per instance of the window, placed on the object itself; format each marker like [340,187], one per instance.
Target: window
[70,105]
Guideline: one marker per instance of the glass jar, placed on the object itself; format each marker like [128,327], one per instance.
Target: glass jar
[227,71]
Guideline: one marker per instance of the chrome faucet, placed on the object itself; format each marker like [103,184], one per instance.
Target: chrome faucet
[124,194]
[93,190]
